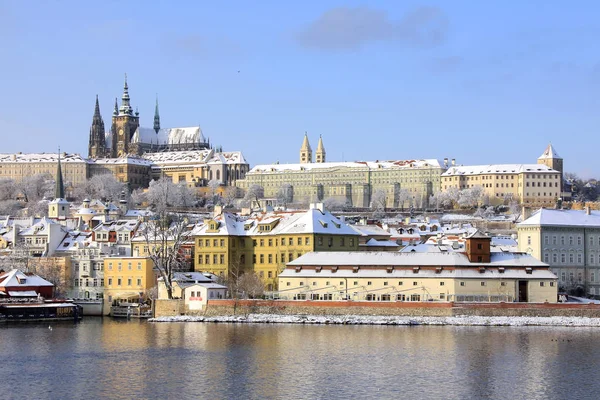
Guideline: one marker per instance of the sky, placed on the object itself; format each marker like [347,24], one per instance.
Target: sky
[482,82]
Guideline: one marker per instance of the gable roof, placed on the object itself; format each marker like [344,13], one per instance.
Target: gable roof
[12,278]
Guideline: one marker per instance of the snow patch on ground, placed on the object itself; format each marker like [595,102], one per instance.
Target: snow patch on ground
[463,320]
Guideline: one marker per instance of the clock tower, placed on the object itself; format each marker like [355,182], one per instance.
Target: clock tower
[124,125]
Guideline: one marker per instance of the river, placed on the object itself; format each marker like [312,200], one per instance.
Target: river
[104,358]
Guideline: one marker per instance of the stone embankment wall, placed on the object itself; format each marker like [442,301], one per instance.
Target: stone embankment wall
[168,308]
[242,307]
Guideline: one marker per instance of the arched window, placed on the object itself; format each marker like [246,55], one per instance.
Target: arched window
[210,175]
[218,174]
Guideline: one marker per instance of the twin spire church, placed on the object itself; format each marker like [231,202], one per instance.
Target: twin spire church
[127,137]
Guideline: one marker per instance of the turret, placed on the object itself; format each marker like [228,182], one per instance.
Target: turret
[125,101]
[551,159]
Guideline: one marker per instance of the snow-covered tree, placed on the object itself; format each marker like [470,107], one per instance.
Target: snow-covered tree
[333,204]
[231,193]
[213,186]
[470,197]
[101,187]
[401,198]
[36,187]
[8,189]
[163,194]
[254,193]
[378,200]
[250,285]
[10,207]
[285,194]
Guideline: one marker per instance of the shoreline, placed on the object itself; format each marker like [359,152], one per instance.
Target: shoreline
[462,320]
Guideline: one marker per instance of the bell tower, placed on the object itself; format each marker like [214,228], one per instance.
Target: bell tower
[320,153]
[305,151]
[124,125]
[551,159]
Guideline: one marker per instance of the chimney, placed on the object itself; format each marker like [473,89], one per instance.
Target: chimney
[446,162]
[453,162]
[587,210]
[525,213]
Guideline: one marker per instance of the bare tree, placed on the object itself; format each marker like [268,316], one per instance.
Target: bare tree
[37,209]
[285,194]
[52,269]
[251,285]
[254,193]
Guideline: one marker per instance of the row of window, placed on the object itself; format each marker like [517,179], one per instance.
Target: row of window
[400,283]
[87,282]
[129,266]
[119,282]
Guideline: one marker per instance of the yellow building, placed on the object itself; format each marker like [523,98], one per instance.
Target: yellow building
[458,277]
[18,166]
[533,185]
[127,278]
[264,242]
[352,183]
[529,184]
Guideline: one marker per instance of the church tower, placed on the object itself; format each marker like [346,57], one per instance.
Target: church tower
[320,153]
[59,207]
[551,159]
[97,144]
[124,125]
[305,151]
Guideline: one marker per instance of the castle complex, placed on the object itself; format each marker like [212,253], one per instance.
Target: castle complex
[127,137]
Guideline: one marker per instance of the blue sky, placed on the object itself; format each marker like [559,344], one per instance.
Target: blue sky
[482,82]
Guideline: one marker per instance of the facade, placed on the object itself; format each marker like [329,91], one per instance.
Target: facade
[529,184]
[198,167]
[194,288]
[567,240]
[127,278]
[264,242]
[18,166]
[476,275]
[533,185]
[405,182]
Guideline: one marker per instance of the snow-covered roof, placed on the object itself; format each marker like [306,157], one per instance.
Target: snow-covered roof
[459,273]
[196,156]
[381,243]
[169,136]
[130,160]
[398,164]
[65,158]
[498,169]
[75,240]
[14,277]
[552,217]
[286,222]
[549,153]
[353,258]
[370,230]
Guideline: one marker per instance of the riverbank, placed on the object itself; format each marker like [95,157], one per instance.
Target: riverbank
[465,320]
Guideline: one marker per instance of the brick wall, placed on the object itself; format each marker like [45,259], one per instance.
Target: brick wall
[167,308]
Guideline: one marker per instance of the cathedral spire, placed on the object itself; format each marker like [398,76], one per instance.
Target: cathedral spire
[97,109]
[59,192]
[156,117]
[125,100]
[97,141]
[116,110]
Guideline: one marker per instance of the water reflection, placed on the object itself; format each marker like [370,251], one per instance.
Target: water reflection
[120,359]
